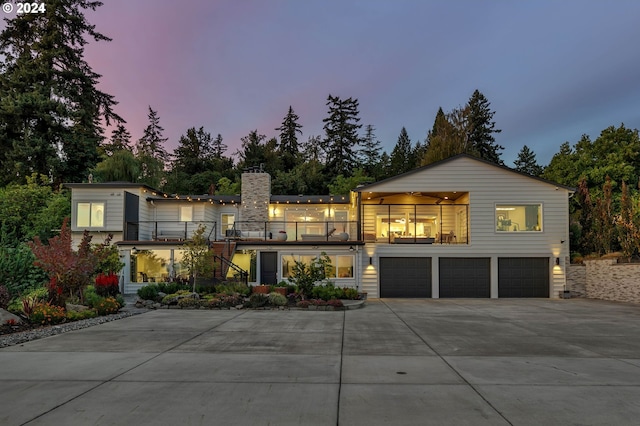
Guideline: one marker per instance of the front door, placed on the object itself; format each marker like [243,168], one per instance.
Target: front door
[268,267]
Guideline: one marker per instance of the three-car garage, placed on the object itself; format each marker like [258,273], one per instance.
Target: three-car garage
[463,277]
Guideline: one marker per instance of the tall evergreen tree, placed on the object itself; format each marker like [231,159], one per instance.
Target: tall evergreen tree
[370,150]
[120,140]
[289,149]
[449,136]
[51,109]
[219,148]
[402,154]
[252,153]
[482,127]
[526,162]
[150,151]
[341,140]
[194,152]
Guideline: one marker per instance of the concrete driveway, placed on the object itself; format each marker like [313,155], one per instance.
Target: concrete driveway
[393,362]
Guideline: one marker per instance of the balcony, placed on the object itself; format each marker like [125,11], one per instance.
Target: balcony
[327,231]
[167,230]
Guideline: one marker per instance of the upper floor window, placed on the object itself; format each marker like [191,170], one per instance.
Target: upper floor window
[518,217]
[186,214]
[90,215]
[227,220]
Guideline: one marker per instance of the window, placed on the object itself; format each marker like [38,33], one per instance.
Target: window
[518,217]
[186,214]
[150,266]
[341,266]
[90,215]
[227,220]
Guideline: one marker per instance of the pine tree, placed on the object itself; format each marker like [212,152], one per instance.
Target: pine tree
[150,152]
[120,141]
[370,150]
[401,156]
[449,136]
[482,128]
[51,109]
[252,153]
[526,162]
[219,148]
[194,152]
[341,136]
[289,150]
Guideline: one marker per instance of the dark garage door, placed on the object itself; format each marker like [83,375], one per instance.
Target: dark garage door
[465,277]
[523,277]
[405,277]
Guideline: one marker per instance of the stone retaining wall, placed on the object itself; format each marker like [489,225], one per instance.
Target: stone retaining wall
[577,279]
[608,280]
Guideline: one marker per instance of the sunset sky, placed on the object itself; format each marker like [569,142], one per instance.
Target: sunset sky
[552,70]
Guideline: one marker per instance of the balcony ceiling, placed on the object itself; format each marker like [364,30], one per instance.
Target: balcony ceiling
[421,197]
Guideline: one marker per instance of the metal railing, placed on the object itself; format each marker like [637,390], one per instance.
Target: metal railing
[330,230]
[169,230]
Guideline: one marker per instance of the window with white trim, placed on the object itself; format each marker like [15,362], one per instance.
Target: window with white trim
[518,217]
[90,215]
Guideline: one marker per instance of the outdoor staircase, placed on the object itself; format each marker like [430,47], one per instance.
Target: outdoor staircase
[223,253]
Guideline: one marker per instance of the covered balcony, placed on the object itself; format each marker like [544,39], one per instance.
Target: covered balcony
[415,218]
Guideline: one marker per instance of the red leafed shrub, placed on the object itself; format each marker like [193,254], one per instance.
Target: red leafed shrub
[107,284]
[69,271]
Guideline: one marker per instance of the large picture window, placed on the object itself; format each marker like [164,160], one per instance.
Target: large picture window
[341,266]
[90,215]
[518,217]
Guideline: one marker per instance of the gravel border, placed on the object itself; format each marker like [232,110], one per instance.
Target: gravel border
[39,333]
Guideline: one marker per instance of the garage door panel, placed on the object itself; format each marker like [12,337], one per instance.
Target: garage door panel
[405,277]
[523,277]
[465,277]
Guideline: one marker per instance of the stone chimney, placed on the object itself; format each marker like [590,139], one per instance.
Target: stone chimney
[256,194]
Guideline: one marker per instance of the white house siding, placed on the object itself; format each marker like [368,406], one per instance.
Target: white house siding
[114,206]
[114,212]
[487,186]
[167,215]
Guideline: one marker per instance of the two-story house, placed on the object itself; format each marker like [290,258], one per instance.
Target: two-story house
[462,227]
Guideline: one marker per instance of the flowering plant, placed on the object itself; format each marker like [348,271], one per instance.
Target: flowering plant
[107,285]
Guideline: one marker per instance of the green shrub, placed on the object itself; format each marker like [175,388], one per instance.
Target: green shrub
[172,287]
[327,291]
[106,306]
[349,293]
[76,316]
[233,288]
[258,300]
[120,300]
[277,299]
[148,292]
[91,297]
[46,313]
[189,302]
[17,271]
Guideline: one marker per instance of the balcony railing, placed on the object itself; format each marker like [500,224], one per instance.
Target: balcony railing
[294,231]
[168,230]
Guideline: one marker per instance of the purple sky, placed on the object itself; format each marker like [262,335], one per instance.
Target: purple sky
[552,70]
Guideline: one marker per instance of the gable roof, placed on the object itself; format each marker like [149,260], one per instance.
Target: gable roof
[368,187]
